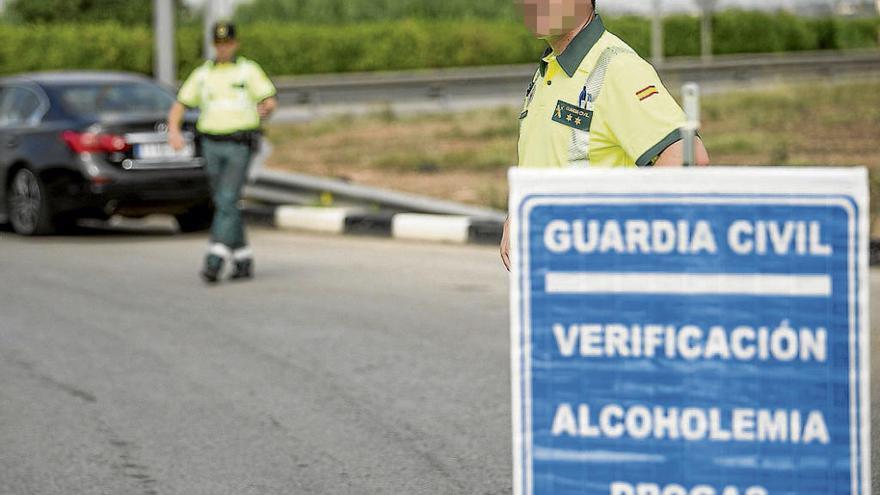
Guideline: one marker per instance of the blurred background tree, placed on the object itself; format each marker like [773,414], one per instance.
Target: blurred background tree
[126,12]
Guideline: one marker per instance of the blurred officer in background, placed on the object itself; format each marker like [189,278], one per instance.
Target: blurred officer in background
[593,102]
[234,96]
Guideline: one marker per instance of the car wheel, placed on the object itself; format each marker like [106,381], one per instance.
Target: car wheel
[28,207]
[196,219]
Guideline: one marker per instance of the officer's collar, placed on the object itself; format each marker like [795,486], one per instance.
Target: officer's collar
[570,59]
[233,61]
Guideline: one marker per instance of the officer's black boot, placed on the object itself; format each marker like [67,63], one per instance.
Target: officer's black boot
[243,269]
[242,264]
[211,271]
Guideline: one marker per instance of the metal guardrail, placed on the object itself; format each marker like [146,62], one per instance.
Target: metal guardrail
[269,189]
[511,80]
[503,83]
[278,188]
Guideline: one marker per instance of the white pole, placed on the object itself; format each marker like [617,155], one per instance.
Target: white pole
[707,7]
[657,33]
[227,8]
[209,14]
[164,69]
[690,93]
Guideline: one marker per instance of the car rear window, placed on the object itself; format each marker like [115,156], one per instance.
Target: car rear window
[114,98]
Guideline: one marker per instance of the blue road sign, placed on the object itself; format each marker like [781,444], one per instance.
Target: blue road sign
[670,341]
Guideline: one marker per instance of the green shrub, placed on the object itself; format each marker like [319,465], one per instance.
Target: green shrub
[681,36]
[857,33]
[740,31]
[408,44]
[357,11]
[635,31]
[53,11]
[99,46]
[290,49]
[826,32]
[189,49]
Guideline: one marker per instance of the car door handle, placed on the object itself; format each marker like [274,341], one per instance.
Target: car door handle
[11,142]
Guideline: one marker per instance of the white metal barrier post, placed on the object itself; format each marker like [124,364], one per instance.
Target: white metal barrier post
[690,93]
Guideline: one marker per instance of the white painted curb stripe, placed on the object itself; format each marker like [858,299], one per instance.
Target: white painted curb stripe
[441,228]
[327,220]
[688,284]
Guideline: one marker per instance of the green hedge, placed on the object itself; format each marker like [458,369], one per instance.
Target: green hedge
[286,49]
[636,31]
[348,12]
[99,46]
[738,31]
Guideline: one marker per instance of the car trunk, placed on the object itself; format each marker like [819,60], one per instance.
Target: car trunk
[145,143]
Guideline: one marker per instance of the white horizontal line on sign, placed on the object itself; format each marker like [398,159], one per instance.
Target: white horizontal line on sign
[595,456]
[759,284]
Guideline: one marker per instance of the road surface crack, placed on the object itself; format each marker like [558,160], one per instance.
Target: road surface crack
[127,463]
[70,390]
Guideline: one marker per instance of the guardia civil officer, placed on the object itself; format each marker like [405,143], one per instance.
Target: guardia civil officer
[593,102]
[234,95]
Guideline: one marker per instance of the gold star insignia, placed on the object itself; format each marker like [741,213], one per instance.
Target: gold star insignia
[568,117]
[577,121]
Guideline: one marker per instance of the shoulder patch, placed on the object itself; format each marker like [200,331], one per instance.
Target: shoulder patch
[645,93]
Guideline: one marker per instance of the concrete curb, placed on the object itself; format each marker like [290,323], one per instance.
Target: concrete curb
[325,220]
[451,229]
[439,228]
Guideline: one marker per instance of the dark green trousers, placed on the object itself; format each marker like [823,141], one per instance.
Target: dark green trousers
[227,164]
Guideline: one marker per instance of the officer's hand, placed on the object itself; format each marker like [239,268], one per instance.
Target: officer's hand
[263,110]
[505,245]
[175,139]
[266,107]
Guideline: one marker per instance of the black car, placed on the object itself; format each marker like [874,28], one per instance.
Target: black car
[91,145]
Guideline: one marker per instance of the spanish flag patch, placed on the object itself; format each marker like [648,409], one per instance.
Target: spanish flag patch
[646,93]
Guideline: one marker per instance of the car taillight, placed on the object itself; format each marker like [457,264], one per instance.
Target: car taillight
[90,142]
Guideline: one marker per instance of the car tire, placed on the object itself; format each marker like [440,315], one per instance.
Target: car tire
[29,205]
[196,219]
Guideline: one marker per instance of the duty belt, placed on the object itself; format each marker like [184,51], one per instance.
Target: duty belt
[244,137]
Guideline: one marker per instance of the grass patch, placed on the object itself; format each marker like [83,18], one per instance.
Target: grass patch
[734,143]
[488,158]
[465,156]
[412,161]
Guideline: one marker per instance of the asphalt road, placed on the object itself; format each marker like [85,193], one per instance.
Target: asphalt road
[350,366]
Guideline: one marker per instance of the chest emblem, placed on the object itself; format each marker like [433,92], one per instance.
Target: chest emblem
[572,116]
